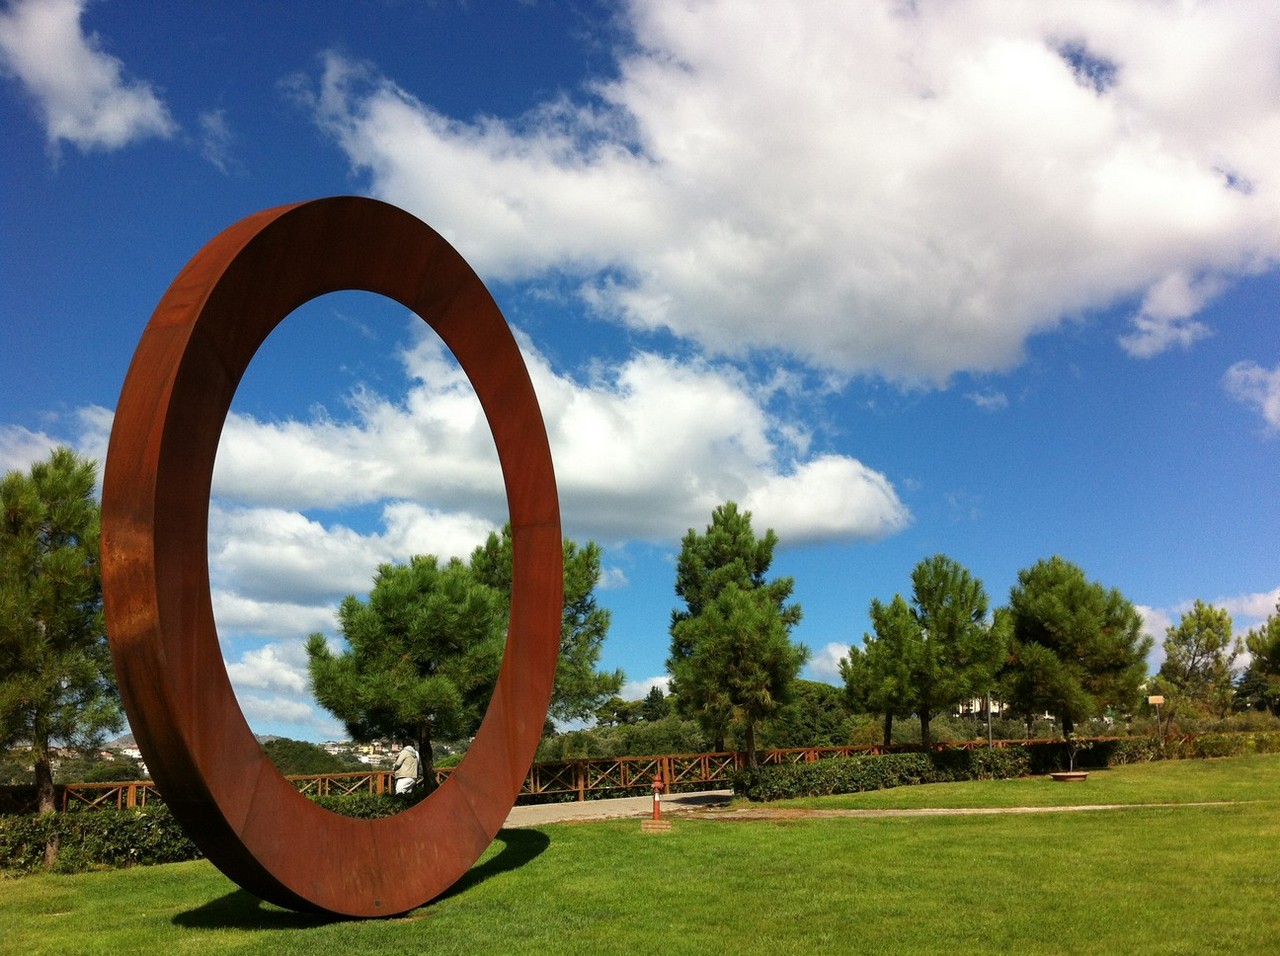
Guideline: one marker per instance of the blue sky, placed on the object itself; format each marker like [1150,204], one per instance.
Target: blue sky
[993,280]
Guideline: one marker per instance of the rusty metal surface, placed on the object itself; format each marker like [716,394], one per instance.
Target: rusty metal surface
[250,821]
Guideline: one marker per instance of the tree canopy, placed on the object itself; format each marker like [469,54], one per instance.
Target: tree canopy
[56,679]
[422,659]
[1199,654]
[878,676]
[424,651]
[928,656]
[961,652]
[1076,647]
[732,661]
[1259,686]
[580,689]
[817,716]
[300,757]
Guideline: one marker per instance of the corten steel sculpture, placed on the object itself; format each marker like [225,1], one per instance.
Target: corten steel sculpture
[226,793]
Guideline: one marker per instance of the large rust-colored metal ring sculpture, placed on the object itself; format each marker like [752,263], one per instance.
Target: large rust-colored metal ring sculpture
[226,793]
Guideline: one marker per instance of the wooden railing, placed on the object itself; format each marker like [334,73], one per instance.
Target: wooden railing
[582,779]
[135,793]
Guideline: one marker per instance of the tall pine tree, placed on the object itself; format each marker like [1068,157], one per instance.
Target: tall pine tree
[1077,648]
[56,680]
[732,660]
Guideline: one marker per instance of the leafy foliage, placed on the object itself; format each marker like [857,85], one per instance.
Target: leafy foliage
[425,649]
[667,735]
[579,688]
[656,705]
[1199,653]
[92,839]
[1259,685]
[816,716]
[371,806]
[56,680]
[1225,744]
[97,770]
[878,676]
[299,757]
[423,655]
[879,772]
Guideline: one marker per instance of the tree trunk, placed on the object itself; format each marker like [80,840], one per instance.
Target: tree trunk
[1068,726]
[751,745]
[926,741]
[426,760]
[44,781]
[46,802]
[888,728]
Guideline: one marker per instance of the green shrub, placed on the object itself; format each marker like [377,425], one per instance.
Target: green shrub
[90,839]
[1128,750]
[371,806]
[879,772]
[1226,744]
[23,839]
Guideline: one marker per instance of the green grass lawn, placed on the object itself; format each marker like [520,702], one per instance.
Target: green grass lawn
[1180,781]
[1137,880]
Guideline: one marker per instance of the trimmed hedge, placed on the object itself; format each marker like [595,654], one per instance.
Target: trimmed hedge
[872,772]
[94,839]
[1227,744]
[110,838]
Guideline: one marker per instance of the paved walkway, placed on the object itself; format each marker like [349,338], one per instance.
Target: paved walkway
[794,813]
[621,808]
[717,801]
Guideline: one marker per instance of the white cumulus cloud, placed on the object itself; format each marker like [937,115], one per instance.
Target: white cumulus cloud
[642,451]
[824,664]
[271,667]
[81,91]
[909,190]
[639,689]
[1256,386]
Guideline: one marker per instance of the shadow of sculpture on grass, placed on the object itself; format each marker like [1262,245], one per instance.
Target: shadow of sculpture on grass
[240,909]
[518,848]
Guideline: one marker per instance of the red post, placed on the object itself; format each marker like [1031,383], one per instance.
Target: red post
[657,796]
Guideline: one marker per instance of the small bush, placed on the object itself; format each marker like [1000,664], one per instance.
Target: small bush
[1128,750]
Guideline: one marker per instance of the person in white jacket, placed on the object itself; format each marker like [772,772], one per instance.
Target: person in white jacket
[405,769]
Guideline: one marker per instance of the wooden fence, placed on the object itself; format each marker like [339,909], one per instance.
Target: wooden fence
[567,779]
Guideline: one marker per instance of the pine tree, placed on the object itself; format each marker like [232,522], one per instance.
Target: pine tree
[732,660]
[1077,647]
[56,679]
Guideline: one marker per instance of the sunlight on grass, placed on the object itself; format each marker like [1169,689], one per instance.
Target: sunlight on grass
[1139,880]
[1184,781]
